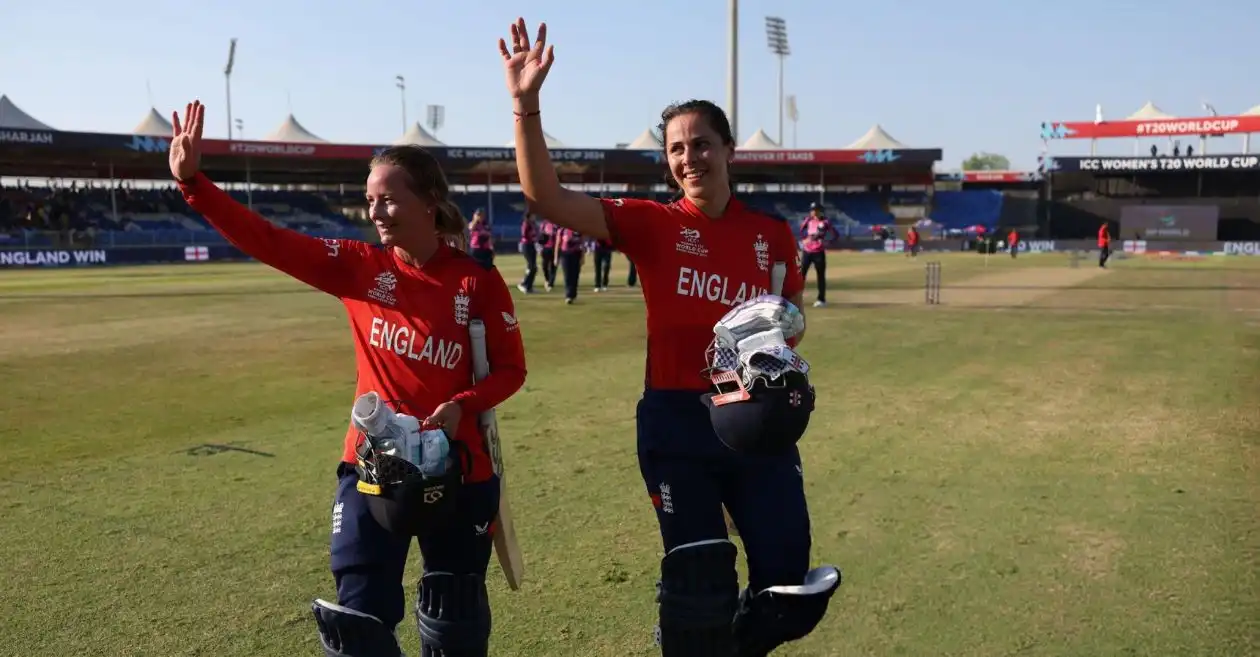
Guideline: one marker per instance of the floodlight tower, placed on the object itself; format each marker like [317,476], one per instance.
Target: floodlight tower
[793,116]
[227,75]
[732,71]
[401,83]
[776,37]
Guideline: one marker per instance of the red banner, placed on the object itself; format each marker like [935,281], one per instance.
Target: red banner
[909,156]
[277,149]
[1206,125]
[611,156]
[998,176]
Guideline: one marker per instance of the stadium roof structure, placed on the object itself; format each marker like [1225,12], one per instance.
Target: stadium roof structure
[1255,111]
[760,141]
[416,135]
[154,125]
[646,141]
[291,154]
[292,132]
[1149,111]
[877,139]
[12,116]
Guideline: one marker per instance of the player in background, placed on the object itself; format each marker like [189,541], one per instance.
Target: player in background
[603,263]
[1012,241]
[912,242]
[547,232]
[1104,245]
[409,303]
[698,257]
[816,232]
[570,251]
[481,239]
[529,249]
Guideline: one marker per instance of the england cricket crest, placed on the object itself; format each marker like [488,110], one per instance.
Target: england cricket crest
[762,248]
[461,308]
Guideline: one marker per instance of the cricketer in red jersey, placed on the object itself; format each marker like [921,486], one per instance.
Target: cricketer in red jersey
[698,257]
[409,303]
[1104,245]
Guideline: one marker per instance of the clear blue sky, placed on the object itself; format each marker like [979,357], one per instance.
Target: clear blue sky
[963,76]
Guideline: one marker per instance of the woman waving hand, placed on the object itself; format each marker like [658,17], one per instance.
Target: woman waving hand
[698,256]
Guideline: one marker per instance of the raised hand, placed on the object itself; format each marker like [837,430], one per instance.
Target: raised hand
[185,155]
[526,66]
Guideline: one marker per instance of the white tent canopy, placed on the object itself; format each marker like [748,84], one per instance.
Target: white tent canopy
[1149,111]
[416,135]
[646,141]
[1255,111]
[552,142]
[292,132]
[876,139]
[153,125]
[760,141]
[12,116]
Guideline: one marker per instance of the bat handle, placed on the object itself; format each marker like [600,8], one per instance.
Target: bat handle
[777,273]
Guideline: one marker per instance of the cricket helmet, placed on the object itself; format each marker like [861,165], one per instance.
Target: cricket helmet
[401,498]
[761,398]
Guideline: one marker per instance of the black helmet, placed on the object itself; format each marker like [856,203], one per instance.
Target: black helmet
[402,499]
[762,406]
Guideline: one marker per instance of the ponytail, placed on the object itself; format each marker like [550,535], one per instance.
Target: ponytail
[449,220]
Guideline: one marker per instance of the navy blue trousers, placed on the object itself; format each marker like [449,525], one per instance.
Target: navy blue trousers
[690,475]
[367,561]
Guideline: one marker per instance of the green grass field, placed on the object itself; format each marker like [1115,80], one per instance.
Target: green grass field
[1055,461]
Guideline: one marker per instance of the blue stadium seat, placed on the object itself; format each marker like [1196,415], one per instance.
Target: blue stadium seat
[960,209]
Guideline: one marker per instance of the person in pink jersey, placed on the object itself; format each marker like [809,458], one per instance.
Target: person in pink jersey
[816,232]
[529,249]
[570,251]
[480,239]
[547,233]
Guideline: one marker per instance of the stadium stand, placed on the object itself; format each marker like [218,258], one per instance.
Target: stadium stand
[148,216]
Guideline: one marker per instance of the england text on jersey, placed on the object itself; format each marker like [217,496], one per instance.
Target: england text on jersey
[694,268]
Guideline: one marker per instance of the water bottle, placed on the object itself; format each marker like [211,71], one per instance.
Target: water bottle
[371,415]
[435,450]
[406,430]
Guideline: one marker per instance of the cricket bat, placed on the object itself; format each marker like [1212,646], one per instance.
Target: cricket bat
[777,273]
[505,545]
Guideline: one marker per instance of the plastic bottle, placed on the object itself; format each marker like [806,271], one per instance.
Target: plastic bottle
[436,448]
[374,417]
[407,430]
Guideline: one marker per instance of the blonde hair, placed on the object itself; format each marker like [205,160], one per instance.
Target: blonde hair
[427,181]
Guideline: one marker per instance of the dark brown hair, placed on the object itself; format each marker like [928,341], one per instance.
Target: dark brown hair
[712,114]
[428,181]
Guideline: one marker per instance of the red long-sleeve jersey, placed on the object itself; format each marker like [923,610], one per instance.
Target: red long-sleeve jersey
[694,269]
[410,324]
